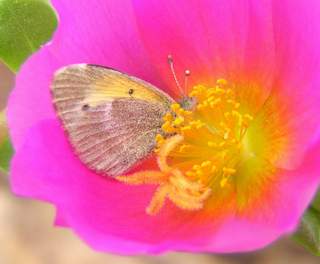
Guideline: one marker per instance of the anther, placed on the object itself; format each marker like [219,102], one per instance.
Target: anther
[196,167]
[175,107]
[178,121]
[228,171]
[159,138]
[212,144]
[167,117]
[183,148]
[222,82]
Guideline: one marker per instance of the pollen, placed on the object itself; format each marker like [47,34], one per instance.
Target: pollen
[199,150]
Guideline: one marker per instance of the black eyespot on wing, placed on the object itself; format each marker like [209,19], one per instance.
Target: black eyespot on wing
[85,107]
[130,91]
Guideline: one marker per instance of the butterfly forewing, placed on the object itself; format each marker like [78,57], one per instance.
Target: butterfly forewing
[111,118]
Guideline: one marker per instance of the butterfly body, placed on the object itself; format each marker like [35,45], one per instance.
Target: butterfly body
[111,119]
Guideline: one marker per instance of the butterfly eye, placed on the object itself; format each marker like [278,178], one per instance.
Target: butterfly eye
[130,91]
[85,107]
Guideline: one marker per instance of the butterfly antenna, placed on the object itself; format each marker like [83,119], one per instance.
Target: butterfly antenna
[186,76]
[170,61]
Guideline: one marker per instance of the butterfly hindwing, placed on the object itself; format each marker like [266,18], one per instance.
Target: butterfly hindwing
[111,118]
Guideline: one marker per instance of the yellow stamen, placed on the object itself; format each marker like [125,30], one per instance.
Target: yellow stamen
[166,148]
[157,200]
[143,177]
[204,152]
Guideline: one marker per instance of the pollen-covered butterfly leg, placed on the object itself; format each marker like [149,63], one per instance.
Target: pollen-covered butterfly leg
[157,200]
[165,149]
[143,177]
[189,198]
[198,197]
[184,183]
[185,203]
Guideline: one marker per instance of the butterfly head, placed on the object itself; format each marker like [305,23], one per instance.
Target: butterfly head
[188,103]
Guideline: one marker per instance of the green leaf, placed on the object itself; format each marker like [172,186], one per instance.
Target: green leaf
[308,233]
[6,150]
[6,153]
[316,201]
[24,26]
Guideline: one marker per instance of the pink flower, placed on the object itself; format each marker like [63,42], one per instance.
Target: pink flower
[268,51]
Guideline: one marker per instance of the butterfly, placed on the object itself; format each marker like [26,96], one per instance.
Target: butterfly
[111,119]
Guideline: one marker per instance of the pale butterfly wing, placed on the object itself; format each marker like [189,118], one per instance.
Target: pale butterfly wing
[111,118]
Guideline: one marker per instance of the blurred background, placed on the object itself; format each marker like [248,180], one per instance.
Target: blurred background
[28,236]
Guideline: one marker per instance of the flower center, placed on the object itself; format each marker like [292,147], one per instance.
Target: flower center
[212,135]
[205,142]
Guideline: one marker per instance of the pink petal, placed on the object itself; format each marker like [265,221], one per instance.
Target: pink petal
[297,78]
[290,197]
[105,35]
[111,216]
[248,42]
[107,214]
[213,39]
